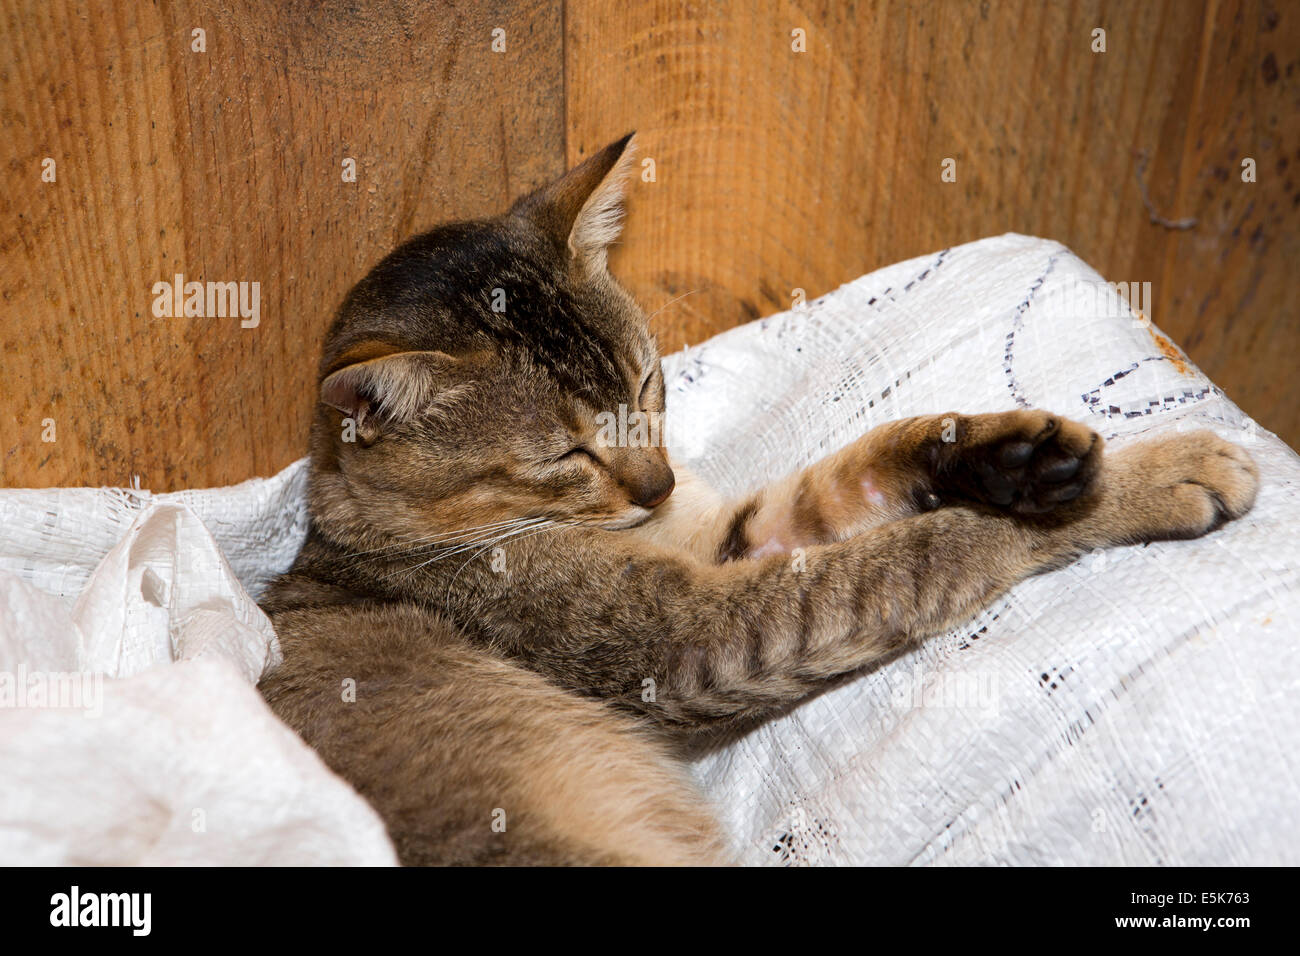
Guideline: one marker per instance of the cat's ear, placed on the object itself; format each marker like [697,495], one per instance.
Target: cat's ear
[382,392]
[583,209]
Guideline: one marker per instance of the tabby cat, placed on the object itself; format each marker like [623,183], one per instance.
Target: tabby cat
[504,631]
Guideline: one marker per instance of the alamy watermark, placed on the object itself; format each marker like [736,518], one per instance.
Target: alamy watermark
[624,429]
[212,300]
[962,690]
[52,690]
[1102,300]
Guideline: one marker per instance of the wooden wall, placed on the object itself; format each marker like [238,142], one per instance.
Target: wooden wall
[774,170]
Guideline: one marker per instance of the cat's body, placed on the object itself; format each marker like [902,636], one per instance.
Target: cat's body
[500,630]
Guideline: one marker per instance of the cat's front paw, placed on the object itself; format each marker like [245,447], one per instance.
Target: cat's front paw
[1182,486]
[1027,462]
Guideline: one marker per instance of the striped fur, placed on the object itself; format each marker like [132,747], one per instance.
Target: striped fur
[530,636]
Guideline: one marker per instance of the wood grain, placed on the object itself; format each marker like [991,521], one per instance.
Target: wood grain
[778,170]
[774,170]
[227,165]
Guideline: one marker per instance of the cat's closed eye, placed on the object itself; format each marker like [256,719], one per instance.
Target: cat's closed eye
[575,455]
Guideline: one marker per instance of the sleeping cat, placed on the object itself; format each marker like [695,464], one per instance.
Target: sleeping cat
[502,630]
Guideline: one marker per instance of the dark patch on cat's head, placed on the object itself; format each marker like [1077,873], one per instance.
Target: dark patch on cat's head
[497,285]
[473,365]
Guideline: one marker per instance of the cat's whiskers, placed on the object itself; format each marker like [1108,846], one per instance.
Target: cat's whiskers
[419,539]
[479,539]
[532,532]
[438,540]
[670,302]
[482,543]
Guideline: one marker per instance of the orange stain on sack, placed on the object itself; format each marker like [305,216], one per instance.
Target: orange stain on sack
[1169,351]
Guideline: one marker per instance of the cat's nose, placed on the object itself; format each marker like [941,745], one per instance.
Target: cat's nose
[652,487]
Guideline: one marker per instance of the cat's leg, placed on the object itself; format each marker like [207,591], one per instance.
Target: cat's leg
[691,645]
[1026,462]
[471,759]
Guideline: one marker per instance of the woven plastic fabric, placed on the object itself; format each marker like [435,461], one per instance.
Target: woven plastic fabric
[130,730]
[1137,707]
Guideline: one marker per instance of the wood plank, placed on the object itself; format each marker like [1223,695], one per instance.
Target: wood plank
[1228,285]
[775,170]
[779,170]
[226,165]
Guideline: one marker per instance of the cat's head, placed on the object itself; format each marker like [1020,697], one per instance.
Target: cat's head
[472,377]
